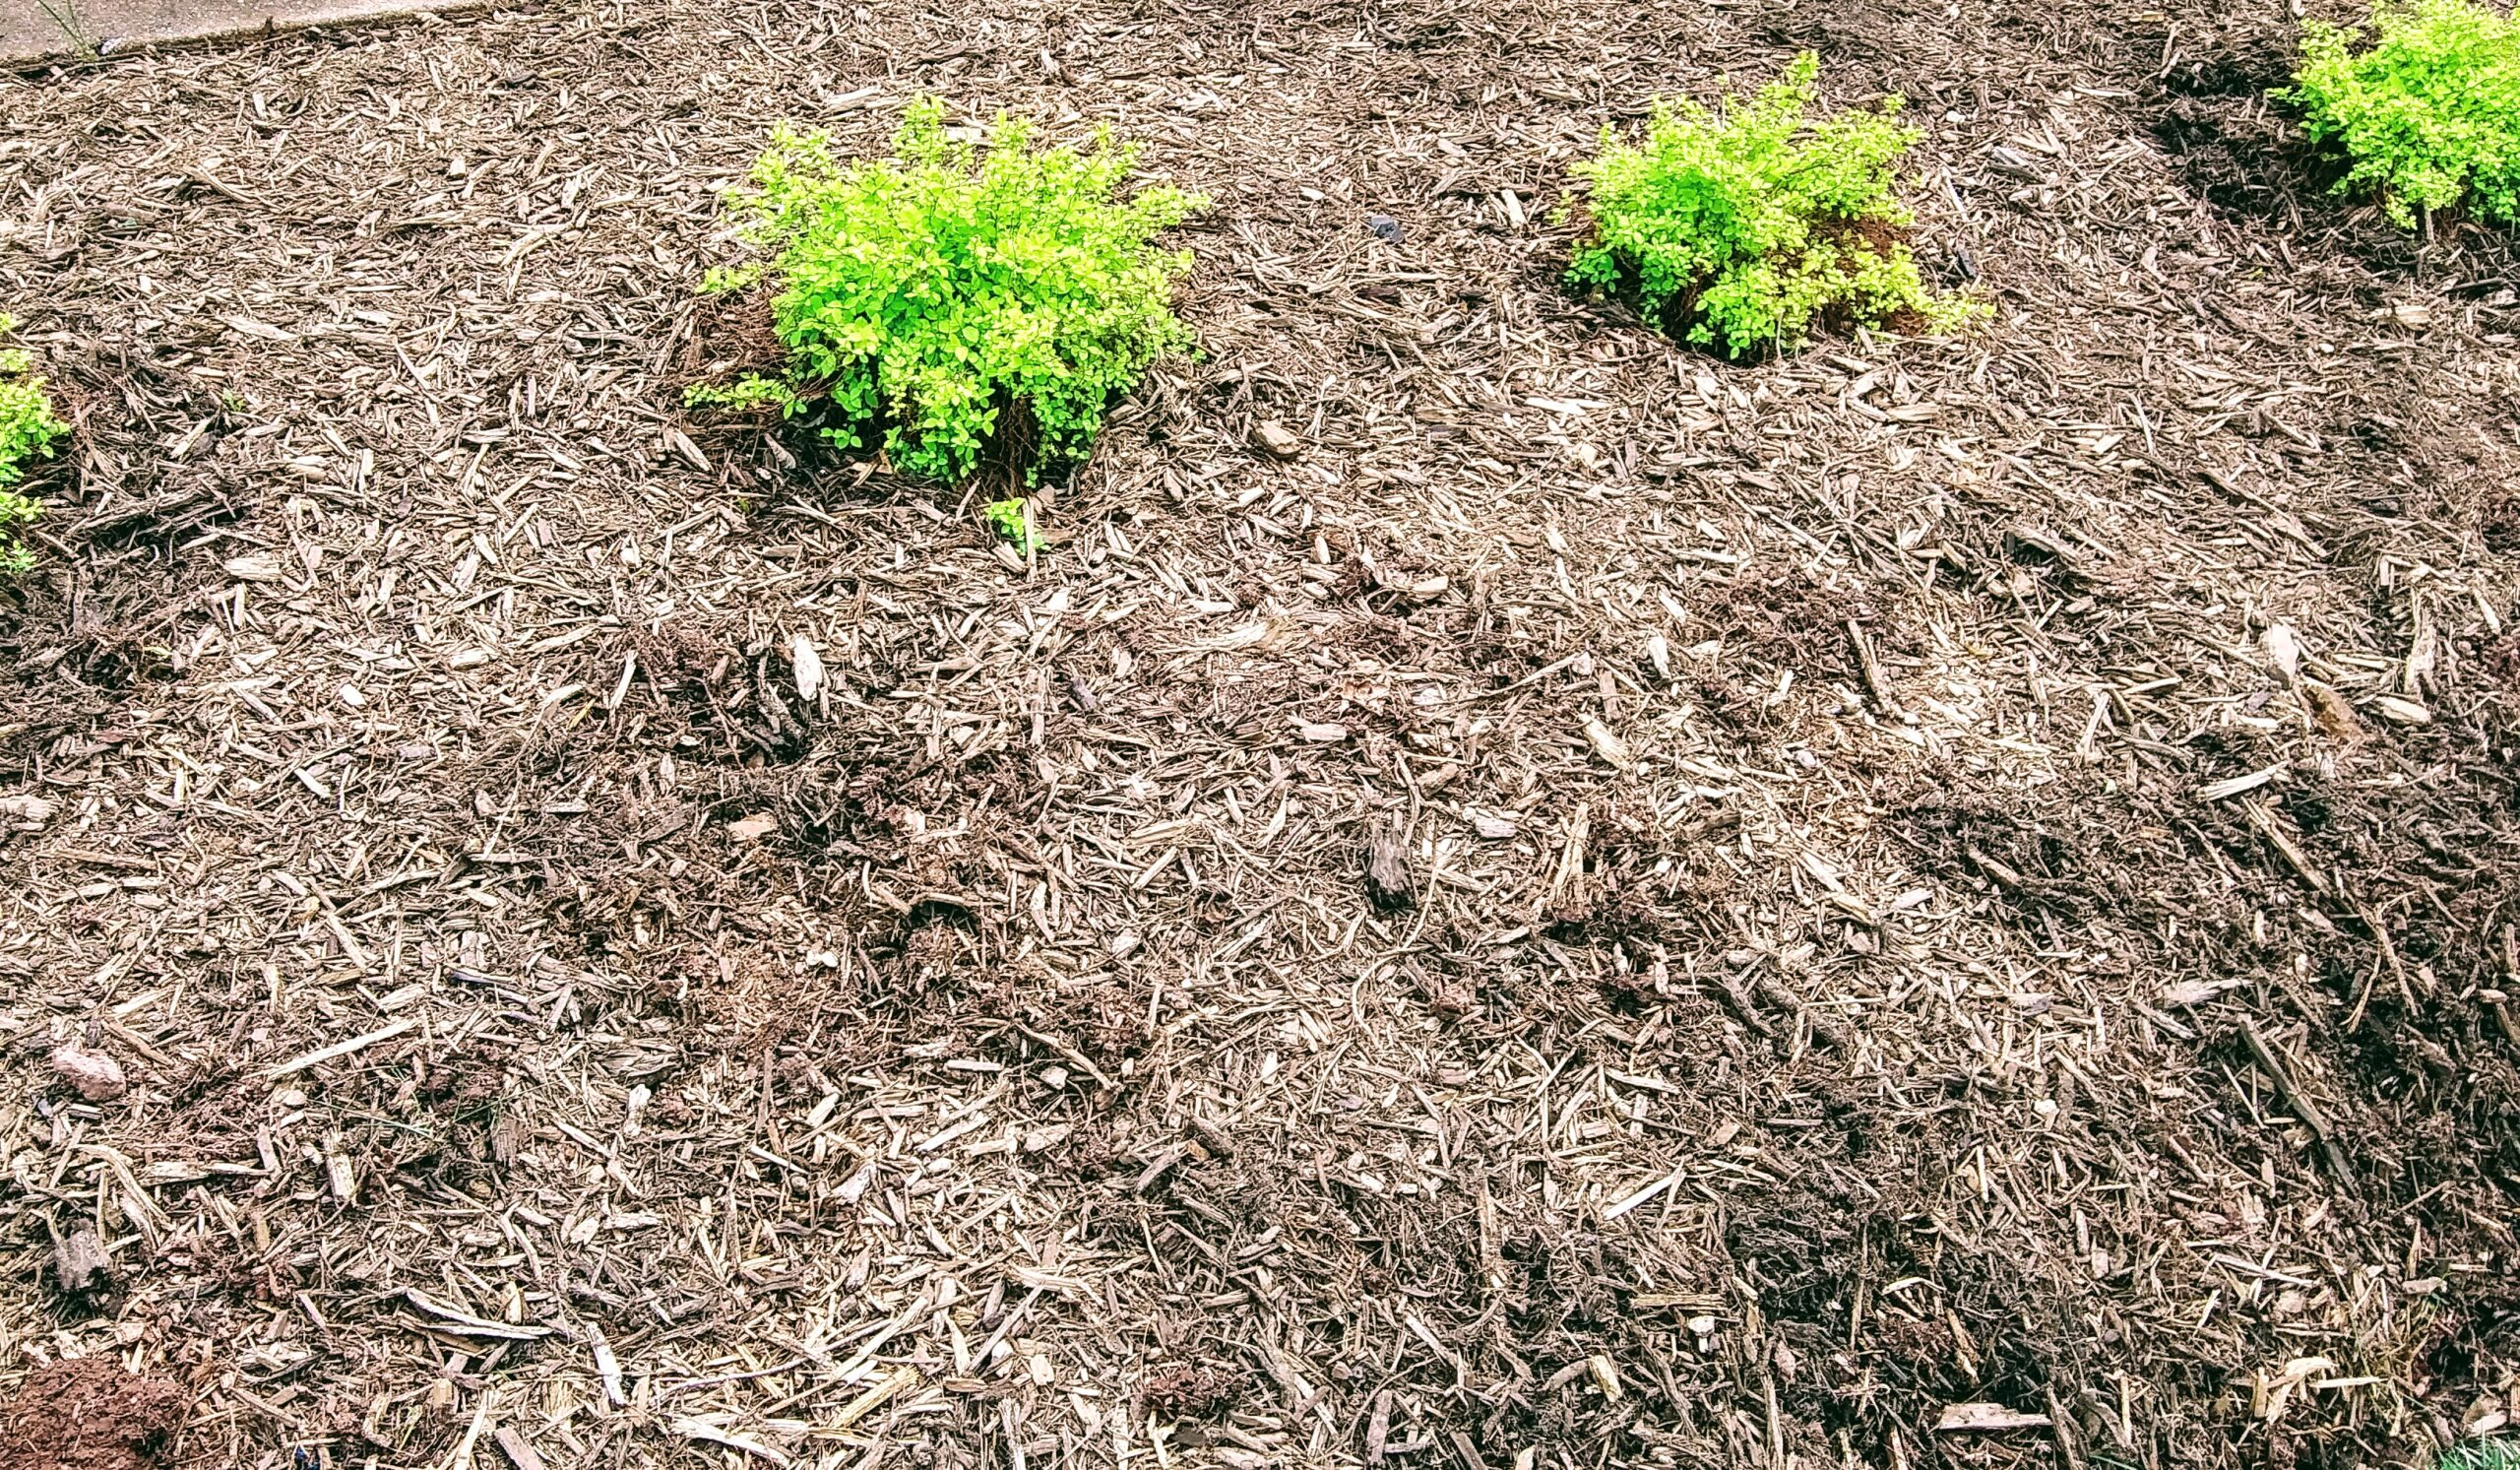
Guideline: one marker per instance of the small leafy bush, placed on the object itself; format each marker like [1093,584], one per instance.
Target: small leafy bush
[28,430]
[2428,114]
[949,295]
[1749,226]
[1013,520]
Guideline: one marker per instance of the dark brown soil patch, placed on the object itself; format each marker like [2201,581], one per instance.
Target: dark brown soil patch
[89,1414]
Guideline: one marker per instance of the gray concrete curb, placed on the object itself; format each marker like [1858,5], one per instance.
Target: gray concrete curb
[35,31]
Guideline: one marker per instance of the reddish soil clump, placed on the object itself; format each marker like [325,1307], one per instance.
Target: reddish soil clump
[89,1414]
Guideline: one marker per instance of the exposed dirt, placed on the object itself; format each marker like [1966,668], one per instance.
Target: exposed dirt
[1620,907]
[89,1414]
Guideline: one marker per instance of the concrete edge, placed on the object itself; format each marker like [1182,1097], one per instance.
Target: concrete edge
[221,26]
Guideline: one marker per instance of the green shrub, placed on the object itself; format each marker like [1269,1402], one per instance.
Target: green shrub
[28,430]
[2429,114]
[937,294]
[1013,519]
[1749,226]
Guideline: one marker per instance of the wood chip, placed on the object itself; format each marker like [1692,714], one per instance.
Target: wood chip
[339,1050]
[1277,439]
[1608,745]
[1986,1416]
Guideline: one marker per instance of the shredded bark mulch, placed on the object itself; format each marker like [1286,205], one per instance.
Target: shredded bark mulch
[1495,892]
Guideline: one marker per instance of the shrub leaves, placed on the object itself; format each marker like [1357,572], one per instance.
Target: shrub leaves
[1749,226]
[932,293]
[2429,114]
[28,430]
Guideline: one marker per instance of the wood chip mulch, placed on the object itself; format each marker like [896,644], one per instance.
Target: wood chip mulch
[1497,892]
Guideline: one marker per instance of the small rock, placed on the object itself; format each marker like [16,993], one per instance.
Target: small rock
[1277,439]
[471,658]
[1322,734]
[752,828]
[1384,227]
[95,1075]
[1496,826]
[80,1265]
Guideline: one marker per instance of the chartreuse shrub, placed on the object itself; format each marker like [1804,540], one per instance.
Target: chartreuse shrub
[28,430]
[1744,227]
[954,294]
[2428,114]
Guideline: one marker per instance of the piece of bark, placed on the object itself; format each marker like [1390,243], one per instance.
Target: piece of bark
[1775,993]
[1387,878]
[1748,1009]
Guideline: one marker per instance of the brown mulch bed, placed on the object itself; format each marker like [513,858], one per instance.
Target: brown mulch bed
[1908,876]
